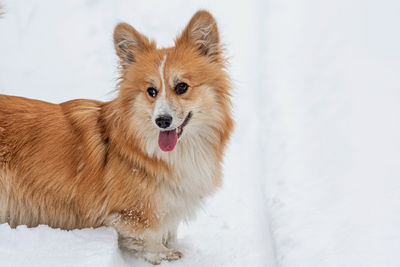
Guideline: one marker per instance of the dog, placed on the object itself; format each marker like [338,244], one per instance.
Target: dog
[141,163]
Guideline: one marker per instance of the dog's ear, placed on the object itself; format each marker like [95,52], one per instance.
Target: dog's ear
[202,33]
[128,42]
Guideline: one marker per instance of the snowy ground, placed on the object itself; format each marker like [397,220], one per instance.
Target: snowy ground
[332,161]
[312,172]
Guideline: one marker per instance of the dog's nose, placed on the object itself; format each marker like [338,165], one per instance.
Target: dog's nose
[164,121]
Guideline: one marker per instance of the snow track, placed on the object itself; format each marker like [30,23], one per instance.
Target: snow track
[333,152]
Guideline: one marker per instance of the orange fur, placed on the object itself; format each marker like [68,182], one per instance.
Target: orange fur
[86,163]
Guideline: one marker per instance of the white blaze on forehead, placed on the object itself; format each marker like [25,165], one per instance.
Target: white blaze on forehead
[161,71]
[162,107]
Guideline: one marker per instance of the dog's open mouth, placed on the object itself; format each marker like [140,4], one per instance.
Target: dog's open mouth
[167,139]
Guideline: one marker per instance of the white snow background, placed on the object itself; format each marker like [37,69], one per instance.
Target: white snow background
[312,174]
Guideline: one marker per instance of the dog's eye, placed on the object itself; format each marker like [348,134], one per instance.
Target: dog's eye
[152,92]
[181,88]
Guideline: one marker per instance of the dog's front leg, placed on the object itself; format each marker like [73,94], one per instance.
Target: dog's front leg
[170,236]
[154,249]
[147,244]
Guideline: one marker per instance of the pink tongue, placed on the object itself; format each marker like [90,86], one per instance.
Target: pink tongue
[167,140]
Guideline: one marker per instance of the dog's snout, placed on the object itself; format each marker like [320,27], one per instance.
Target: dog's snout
[164,121]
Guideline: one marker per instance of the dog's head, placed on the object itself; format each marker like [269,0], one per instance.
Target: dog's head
[174,93]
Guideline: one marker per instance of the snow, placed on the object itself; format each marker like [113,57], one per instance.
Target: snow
[312,171]
[43,246]
[332,121]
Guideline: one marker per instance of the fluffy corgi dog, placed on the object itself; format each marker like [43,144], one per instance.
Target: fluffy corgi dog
[141,163]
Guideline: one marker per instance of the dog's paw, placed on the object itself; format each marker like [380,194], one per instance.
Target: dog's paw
[173,255]
[153,258]
[157,258]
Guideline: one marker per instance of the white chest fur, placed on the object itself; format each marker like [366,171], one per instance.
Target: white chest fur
[196,168]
